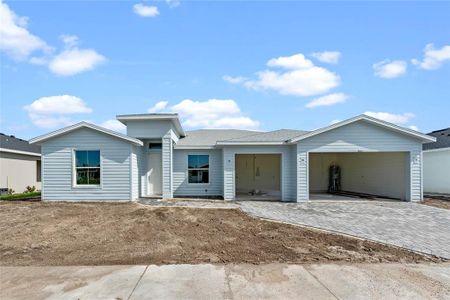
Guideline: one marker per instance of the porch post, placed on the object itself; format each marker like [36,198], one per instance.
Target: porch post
[167,157]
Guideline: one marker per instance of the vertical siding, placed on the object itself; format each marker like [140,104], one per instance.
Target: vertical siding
[167,156]
[288,167]
[57,167]
[135,172]
[181,187]
[359,136]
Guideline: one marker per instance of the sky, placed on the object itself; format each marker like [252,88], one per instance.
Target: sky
[260,65]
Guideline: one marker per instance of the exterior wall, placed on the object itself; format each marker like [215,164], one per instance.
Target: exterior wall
[17,171]
[58,167]
[288,167]
[436,171]
[167,161]
[360,136]
[148,128]
[181,187]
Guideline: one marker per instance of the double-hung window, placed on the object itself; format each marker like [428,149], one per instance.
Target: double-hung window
[87,167]
[198,168]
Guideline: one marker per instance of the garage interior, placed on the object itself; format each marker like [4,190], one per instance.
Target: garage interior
[258,177]
[360,175]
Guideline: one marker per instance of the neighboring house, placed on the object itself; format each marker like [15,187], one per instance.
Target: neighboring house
[157,158]
[20,164]
[436,163]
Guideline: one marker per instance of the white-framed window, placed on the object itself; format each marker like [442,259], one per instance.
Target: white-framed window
[87,167]
[198,168]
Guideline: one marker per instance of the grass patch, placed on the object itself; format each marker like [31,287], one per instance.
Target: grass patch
[21,196]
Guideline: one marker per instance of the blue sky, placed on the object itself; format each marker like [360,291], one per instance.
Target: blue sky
[258,65]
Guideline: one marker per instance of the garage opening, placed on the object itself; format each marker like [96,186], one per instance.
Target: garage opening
[258,176]
[350,176]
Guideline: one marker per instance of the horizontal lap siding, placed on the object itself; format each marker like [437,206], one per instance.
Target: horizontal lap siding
[180,180]
[57,167]
[167,156]
[288,168]
[359,136]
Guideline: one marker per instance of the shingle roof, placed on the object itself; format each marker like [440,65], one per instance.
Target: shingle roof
[442,139]
[209,137]
[280,135]
[12,143]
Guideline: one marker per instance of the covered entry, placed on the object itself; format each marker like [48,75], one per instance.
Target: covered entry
[258,176]
[371,175]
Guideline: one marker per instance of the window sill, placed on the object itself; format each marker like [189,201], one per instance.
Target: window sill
[87,186]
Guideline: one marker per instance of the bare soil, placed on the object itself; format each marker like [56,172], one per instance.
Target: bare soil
[441,203]
[110,234]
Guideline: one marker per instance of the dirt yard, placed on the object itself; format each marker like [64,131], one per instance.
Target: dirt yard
[437,203]
[108,234]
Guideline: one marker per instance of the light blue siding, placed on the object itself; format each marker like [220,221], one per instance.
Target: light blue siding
[136,157]
[58,172]
[288,168]
[148,129]
[180,180]
[360,136]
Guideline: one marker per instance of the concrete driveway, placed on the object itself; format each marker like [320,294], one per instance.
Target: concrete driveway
[414,226]
[273,281]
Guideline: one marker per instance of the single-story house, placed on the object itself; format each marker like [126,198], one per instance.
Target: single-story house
[157,158]
[20,164]
[436,163]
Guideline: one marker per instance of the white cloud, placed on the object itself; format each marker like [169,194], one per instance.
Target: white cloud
[173,3]
[145,11]
[234,80]
[301,77]
[413,127]
[212,113]
[433,58]
[331,57]
[53,111]
[73,61]
[328,100]
[15,39]
[392,118]
[390,69]
[296,61]
[69,40]
[158,107]
[113,124]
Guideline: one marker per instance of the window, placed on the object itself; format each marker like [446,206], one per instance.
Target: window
[198,168]
[38,171]
[87,167]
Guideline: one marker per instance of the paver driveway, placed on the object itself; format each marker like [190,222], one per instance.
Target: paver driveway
[410,225]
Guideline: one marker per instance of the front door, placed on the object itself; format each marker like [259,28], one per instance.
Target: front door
[154,174]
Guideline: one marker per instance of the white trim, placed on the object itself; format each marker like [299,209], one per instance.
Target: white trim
[407,131]
[19,152]
[83,124]
[437,150]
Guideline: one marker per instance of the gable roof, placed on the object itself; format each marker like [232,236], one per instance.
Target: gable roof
[280,136]
[173,117]
[423,137]
[207,138]
[442,139]
[9,143]
[53,134]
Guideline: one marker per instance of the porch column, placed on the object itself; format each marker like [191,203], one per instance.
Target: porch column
[167,158]
[302,175]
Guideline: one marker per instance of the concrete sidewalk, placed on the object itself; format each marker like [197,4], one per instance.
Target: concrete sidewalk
[273,281]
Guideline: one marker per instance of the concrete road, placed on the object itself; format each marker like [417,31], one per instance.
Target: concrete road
[272,281]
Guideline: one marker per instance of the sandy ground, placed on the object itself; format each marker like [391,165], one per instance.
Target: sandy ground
[116,234]
[437,203]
